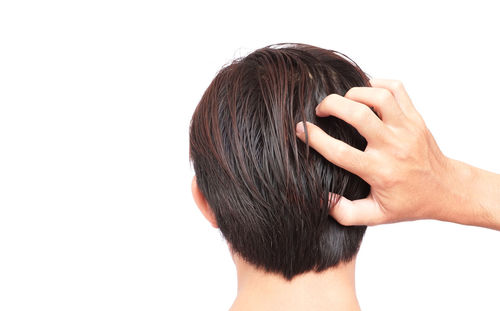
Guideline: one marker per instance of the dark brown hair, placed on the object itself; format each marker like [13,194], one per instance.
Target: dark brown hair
[268,190]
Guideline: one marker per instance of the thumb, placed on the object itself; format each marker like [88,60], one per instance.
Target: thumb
[358,212]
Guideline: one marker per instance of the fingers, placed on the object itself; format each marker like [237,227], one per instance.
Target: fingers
[357,212]
[399,92]
[381,99]
[358,115]
[334,150]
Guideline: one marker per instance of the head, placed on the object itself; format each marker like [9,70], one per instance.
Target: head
[267,191]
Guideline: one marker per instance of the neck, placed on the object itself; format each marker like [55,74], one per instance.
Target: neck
[332,289]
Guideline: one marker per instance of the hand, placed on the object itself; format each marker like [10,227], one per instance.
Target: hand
[407,171]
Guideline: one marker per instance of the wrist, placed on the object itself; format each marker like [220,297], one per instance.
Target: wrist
[464,191]
[451,201]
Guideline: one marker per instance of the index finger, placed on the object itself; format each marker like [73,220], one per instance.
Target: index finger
[334,150]
[356,114]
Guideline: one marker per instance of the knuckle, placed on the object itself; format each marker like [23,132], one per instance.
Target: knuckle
[387,182]
[360,114]
[387,177]
[325,100]
[345,217]
[311,132]
[402,154]
[397,85]
[331,97]
[341,151]
[352,91]
[384,96]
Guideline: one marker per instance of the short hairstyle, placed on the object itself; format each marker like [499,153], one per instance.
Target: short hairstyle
[268,190]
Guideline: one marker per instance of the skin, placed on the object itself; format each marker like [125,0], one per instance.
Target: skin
[410,177]
[332,289]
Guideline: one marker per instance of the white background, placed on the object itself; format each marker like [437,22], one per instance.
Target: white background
[95,103]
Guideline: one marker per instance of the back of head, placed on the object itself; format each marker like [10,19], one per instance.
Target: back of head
[268,190]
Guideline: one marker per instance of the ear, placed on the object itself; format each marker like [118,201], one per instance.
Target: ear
[202,203]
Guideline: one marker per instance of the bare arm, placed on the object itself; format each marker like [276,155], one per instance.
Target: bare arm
[474,197]
[410,177]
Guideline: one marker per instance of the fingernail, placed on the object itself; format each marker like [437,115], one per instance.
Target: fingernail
[299,129]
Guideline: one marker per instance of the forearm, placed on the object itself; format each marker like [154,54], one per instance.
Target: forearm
[472,197]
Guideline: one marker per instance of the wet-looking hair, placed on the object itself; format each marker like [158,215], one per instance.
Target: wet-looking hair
[268,190]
